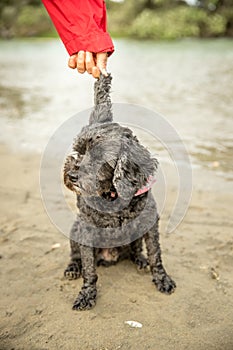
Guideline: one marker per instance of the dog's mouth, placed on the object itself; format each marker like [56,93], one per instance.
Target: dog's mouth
[110,195]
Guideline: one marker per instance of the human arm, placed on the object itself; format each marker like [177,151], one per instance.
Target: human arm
[81,24]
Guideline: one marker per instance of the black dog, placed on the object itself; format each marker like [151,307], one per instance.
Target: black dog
[109,170]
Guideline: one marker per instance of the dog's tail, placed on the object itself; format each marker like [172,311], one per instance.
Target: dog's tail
[102,111]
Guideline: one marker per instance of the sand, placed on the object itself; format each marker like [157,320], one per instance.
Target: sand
[36,301]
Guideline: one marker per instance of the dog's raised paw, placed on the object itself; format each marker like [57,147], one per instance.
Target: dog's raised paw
[72,271]
[164,283]
[86,299]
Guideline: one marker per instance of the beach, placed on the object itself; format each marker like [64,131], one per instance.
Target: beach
[36,300]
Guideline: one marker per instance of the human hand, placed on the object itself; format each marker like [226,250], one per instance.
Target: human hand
[93,63]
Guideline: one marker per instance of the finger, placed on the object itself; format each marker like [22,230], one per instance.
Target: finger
[81,62]
[72,62]
[95,72]
[89,62]
[104,72]
[101,62]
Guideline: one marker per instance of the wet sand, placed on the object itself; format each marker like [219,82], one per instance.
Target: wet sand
[36,301]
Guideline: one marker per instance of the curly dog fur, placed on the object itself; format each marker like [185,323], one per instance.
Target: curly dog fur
[107,168]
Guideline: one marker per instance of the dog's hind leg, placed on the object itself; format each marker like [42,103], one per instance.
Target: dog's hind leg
[87,296]
[163,282]
[136,254]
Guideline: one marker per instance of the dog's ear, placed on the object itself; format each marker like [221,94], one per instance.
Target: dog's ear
[133,168]
[122,179]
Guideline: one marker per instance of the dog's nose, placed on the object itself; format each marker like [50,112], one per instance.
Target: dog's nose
[73,177]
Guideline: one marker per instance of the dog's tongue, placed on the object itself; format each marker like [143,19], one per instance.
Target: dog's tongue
[150,182]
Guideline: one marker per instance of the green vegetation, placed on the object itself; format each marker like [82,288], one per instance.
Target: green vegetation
[20,18]
[177,23]
[142,19]
[170,19]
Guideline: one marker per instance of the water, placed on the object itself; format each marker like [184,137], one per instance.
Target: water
[189,82]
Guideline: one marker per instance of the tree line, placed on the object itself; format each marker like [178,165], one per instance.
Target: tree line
[141,19]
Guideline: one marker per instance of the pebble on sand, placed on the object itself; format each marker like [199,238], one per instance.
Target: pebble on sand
[134,324]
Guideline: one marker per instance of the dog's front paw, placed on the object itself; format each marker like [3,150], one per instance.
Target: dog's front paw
[73,271]
[86,299]
[164,283]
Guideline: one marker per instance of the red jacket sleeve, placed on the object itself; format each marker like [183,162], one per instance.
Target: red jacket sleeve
[81,24]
